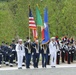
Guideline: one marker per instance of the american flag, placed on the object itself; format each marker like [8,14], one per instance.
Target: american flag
[35,35]
[32,24]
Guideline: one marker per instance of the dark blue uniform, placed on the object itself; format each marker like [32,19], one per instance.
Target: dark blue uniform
[36,54]
[44,52]
[72,53]
[58,54]
[68,51]
[14,52]
[11,55]
[0,56]
[58,57]
[28,52]
[3,52]
[62,52]
[6,50]
[48,61]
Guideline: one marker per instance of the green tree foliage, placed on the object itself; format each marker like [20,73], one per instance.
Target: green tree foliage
[14,17]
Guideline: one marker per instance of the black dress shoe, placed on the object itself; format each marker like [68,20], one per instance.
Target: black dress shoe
[27,67]
[37,66]
[20,68]
[11,65]
[53,66]
[7,64]
[34,67]
[42,67]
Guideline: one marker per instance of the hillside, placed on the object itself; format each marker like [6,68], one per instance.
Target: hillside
[14,17]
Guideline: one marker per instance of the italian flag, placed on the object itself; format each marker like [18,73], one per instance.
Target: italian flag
[39,22]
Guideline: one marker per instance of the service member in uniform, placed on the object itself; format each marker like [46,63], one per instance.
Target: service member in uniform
[53,51]
[6,50]
[28,52]
[14,51]
[36,53]
[58,50]
[72,52]
[48,61]
[58,53]
[3,52]
[20,51]
[69,49]
[11,55]
[0,57]
[73,49]
[45,52]
[62,48]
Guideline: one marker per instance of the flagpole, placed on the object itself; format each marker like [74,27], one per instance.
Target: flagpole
[29,33]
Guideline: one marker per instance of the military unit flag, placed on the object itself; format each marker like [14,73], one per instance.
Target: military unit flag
[46,29]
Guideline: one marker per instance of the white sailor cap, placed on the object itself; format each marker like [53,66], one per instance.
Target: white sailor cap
[52,38]
[20,40]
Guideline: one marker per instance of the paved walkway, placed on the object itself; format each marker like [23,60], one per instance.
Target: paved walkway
[62,69]
[40,67]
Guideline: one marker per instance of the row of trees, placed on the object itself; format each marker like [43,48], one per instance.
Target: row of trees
[14,17]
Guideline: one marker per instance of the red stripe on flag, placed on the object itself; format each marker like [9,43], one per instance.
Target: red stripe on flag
[31,22]
[31,18]
[34,33]
[32,27]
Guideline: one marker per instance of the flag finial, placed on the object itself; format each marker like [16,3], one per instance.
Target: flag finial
[37,5]
[29,5]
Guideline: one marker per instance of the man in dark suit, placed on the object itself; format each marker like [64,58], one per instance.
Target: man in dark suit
[28,52]
[36,53]
[44,52]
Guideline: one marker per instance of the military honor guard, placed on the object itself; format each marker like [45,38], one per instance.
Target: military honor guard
[53,51]
[36,53]
[20,52]
[23,52]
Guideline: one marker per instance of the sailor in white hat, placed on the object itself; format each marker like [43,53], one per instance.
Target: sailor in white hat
[53,51]
[20,52]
